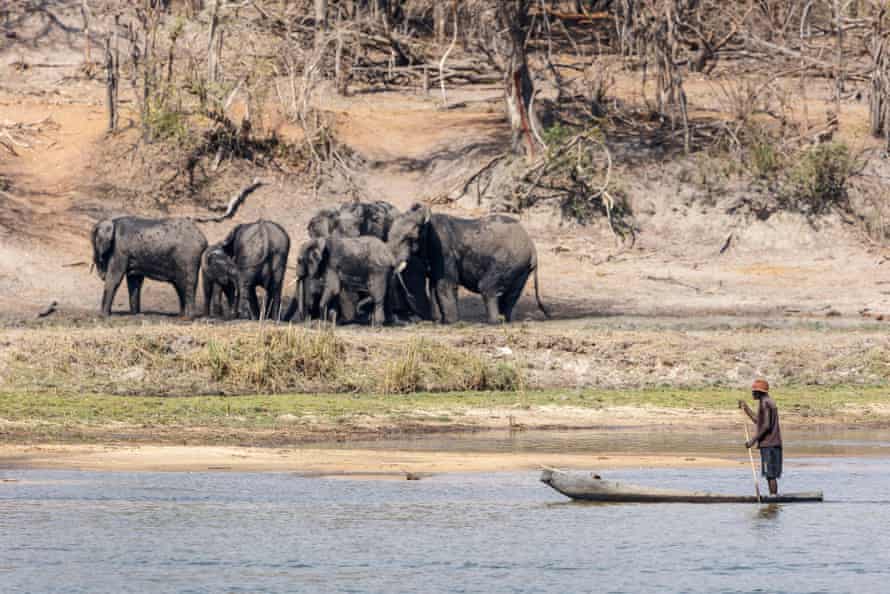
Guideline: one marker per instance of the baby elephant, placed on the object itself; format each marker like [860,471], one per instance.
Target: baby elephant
[220,277]
[361,266]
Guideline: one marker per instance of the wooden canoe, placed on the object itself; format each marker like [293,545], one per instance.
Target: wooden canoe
[588,486]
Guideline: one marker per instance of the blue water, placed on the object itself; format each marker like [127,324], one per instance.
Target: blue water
[506,532]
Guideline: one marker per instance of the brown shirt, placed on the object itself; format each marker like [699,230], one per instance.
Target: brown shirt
[768,434]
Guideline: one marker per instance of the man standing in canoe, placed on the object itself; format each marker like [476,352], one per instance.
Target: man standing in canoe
[767,436]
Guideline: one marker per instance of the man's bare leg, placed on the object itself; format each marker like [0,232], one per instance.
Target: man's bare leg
[773,487]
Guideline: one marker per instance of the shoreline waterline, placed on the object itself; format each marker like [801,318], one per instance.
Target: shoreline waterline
[416,456]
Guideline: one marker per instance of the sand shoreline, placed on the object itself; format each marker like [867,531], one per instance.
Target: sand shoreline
[370,463]
[323,448]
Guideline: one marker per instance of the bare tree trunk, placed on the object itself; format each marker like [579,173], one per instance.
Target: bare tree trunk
[321,20]
[340,79]
[838,57]
[85,13]
[513,17]
[440,20]
[212,57]
[879,92]
[111,85]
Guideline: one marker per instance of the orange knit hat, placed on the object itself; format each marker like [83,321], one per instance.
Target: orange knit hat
[760,385]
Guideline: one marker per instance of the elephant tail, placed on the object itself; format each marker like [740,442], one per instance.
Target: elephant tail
[538,295]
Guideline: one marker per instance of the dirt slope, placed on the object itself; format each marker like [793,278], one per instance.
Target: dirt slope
[413,150]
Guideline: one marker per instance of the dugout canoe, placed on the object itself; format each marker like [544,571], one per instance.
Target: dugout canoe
[588,486]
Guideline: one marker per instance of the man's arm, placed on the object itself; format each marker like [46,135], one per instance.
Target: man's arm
[744,406]
[763,428]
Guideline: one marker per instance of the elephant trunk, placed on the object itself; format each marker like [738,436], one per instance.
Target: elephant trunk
[409,298]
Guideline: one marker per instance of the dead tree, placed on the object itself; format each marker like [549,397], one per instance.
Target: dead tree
[879,91]
[321,20]
[213,43]
[112,79]
[85,13]
[514,20]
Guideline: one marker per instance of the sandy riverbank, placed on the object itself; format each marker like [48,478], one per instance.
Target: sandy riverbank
[323,462]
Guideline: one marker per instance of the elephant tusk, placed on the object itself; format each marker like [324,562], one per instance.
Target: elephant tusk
[401,267]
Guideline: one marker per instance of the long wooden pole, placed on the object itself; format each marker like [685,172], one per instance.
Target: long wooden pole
[751,459]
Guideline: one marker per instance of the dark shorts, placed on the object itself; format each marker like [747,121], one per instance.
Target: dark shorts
[771,462]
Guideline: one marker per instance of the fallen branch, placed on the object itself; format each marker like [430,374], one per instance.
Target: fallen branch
[234,203]
[726,244]
[671,281]
[461,188]
[48,310]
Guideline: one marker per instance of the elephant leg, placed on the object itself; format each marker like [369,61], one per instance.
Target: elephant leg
[377,288]
[492,286]
[325,301]
[273,301]
[349,306]
[446,296]
[191,295]
[214,300]
[248,305]
[209,290]
[508,300]
[113,278]
[231,293]
[190,300]
[491,308]
[435,308]
[331,290]
[415,281]
[279,269]
[134,288]
[180,294]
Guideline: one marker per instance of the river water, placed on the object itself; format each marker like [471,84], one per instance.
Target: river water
[73,531]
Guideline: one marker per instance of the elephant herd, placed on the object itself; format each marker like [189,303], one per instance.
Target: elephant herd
[362,261]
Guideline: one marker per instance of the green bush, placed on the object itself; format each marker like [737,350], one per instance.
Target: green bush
[166,123]
[764,160]
[817,182]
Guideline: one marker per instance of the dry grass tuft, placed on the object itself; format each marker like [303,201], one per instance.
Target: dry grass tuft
[274,360]
[428,366]
[173,360]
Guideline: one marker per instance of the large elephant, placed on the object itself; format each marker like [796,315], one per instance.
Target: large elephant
[492,256]
[362,265]
[260,251]
[221,278]
[166,250]
[358,219]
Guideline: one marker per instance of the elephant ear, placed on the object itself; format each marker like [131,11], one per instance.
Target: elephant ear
[103,243]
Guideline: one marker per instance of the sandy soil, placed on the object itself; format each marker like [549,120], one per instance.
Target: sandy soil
[322,462]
